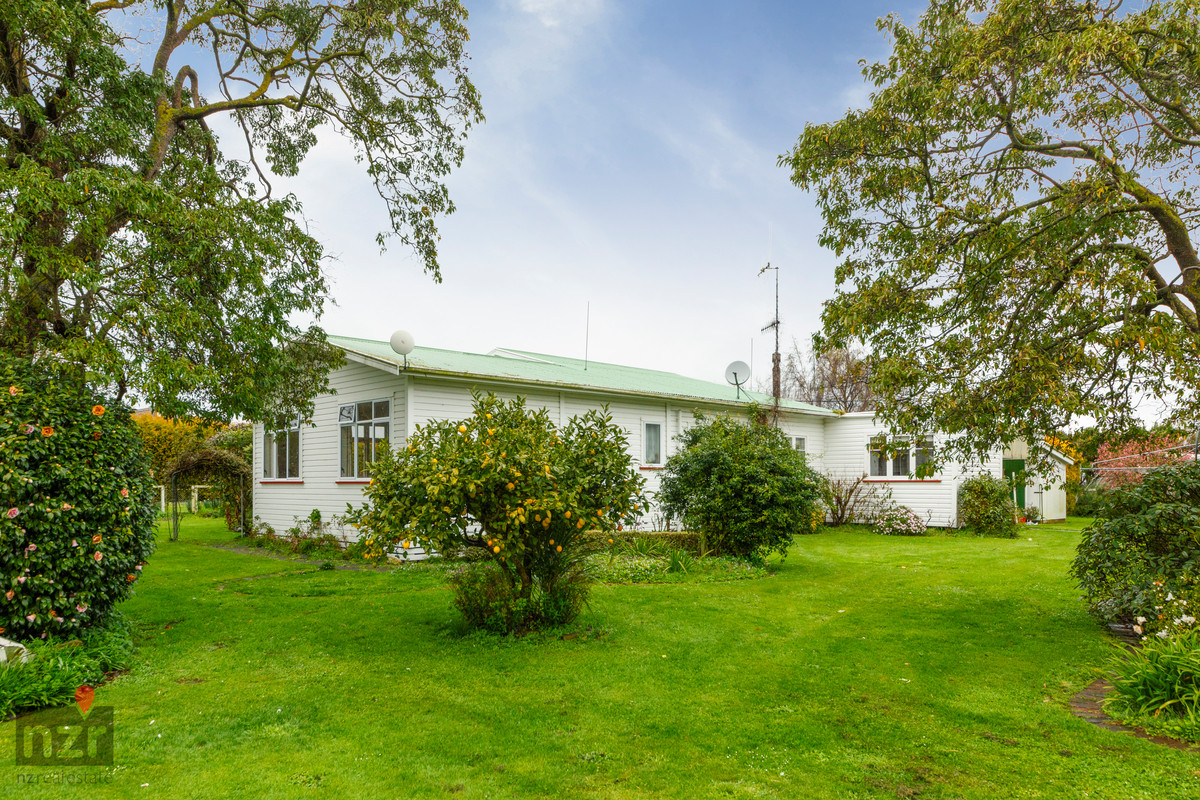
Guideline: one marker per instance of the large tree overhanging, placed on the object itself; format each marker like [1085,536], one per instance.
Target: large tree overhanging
[132,243]
[1015,213]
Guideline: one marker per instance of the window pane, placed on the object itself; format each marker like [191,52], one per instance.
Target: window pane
[653,443]
[381,436]
[280,455]
[268,456]
[364,411]
[363,449]
[879,460]
[924,452]
[346,414]
[293,454]
[347,451]
[381,409]
[900,464]
[798,443]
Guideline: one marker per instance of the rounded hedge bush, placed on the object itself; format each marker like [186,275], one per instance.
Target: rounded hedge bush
[76,502]
[986,507]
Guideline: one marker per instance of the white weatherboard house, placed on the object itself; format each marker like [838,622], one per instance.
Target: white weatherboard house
[380,399]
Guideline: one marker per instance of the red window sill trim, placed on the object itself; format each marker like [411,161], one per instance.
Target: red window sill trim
[361,481]
[903,480]
[292,481]
[650,467]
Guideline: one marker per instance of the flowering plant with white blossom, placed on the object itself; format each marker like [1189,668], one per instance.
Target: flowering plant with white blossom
[1172,610]
[899,521]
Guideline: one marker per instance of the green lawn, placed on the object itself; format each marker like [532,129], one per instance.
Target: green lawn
[866,666]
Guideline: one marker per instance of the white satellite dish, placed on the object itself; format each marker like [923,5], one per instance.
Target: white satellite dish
[402,342]
[737,373]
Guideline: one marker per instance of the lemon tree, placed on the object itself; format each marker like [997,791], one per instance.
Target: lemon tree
[506,481]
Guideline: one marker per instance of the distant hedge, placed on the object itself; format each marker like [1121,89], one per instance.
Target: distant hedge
[686,540]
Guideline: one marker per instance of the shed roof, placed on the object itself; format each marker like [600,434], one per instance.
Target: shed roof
[558,372]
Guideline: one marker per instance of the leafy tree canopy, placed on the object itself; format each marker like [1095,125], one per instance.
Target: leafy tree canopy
[135,245]
[1015,215]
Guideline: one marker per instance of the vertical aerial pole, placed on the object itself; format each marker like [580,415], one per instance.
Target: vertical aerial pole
[776,377]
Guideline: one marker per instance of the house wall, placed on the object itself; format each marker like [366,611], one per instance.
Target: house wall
[1052,500]
[936,499]
[418,399]
[279,502]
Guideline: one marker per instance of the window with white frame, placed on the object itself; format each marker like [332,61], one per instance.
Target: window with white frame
[364,429]
[899,461]
[652,443]
[798,443]
[281,452]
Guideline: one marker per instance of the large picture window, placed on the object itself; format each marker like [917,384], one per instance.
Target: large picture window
[281,453]
[900,463]
[364,430]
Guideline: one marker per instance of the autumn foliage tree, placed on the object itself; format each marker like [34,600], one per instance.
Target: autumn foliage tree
[1015,215]
[508,483]
[1126,463]
[139,243]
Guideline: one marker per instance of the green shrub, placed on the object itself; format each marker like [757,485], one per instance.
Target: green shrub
[691,541]
[1089,501]
[78,514]
[1146,542]
[742,486]
[489,601]
[1031,513]
[57,667]
[986,508]
[1158,685]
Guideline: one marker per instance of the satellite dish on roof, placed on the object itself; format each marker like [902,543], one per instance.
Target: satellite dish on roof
[737,373]
[402,343]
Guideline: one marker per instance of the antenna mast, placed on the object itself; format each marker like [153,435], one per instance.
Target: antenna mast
[775,359]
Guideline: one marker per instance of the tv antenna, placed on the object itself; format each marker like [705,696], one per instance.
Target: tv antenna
[774,323]
[737,373]
[402,343]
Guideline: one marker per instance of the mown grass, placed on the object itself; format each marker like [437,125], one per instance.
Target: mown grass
[863,667]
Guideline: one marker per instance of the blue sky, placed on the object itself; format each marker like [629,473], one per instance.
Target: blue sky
[628,160]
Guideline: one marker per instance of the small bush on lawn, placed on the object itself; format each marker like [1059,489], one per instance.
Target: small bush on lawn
[1158,685]
[1144,546]
[899,521]
[57,667]
[78,510]
[1031,514]
[742,486]
[488,600]
[985,507]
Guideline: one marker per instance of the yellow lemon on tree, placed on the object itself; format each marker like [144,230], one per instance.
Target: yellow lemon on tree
[559,548]
[511,486]
[496,549]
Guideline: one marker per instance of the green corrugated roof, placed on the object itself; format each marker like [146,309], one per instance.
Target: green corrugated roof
[560,372]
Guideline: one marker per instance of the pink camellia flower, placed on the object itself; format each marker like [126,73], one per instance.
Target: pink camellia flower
[31,547]
[82,607]
[74,543]
[66,507]
[27,428]
[139,566]
[9,594]
[11,513]
[31,617]
[124,493]
[58,619]
[97,555]
[21,579]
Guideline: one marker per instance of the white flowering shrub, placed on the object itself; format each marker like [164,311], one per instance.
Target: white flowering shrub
[899,521]
[1168,614]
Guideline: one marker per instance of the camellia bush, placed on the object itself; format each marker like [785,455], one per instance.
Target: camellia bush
[742,485]
[1144,551]
[76,502]
[510,483]
[986,507]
